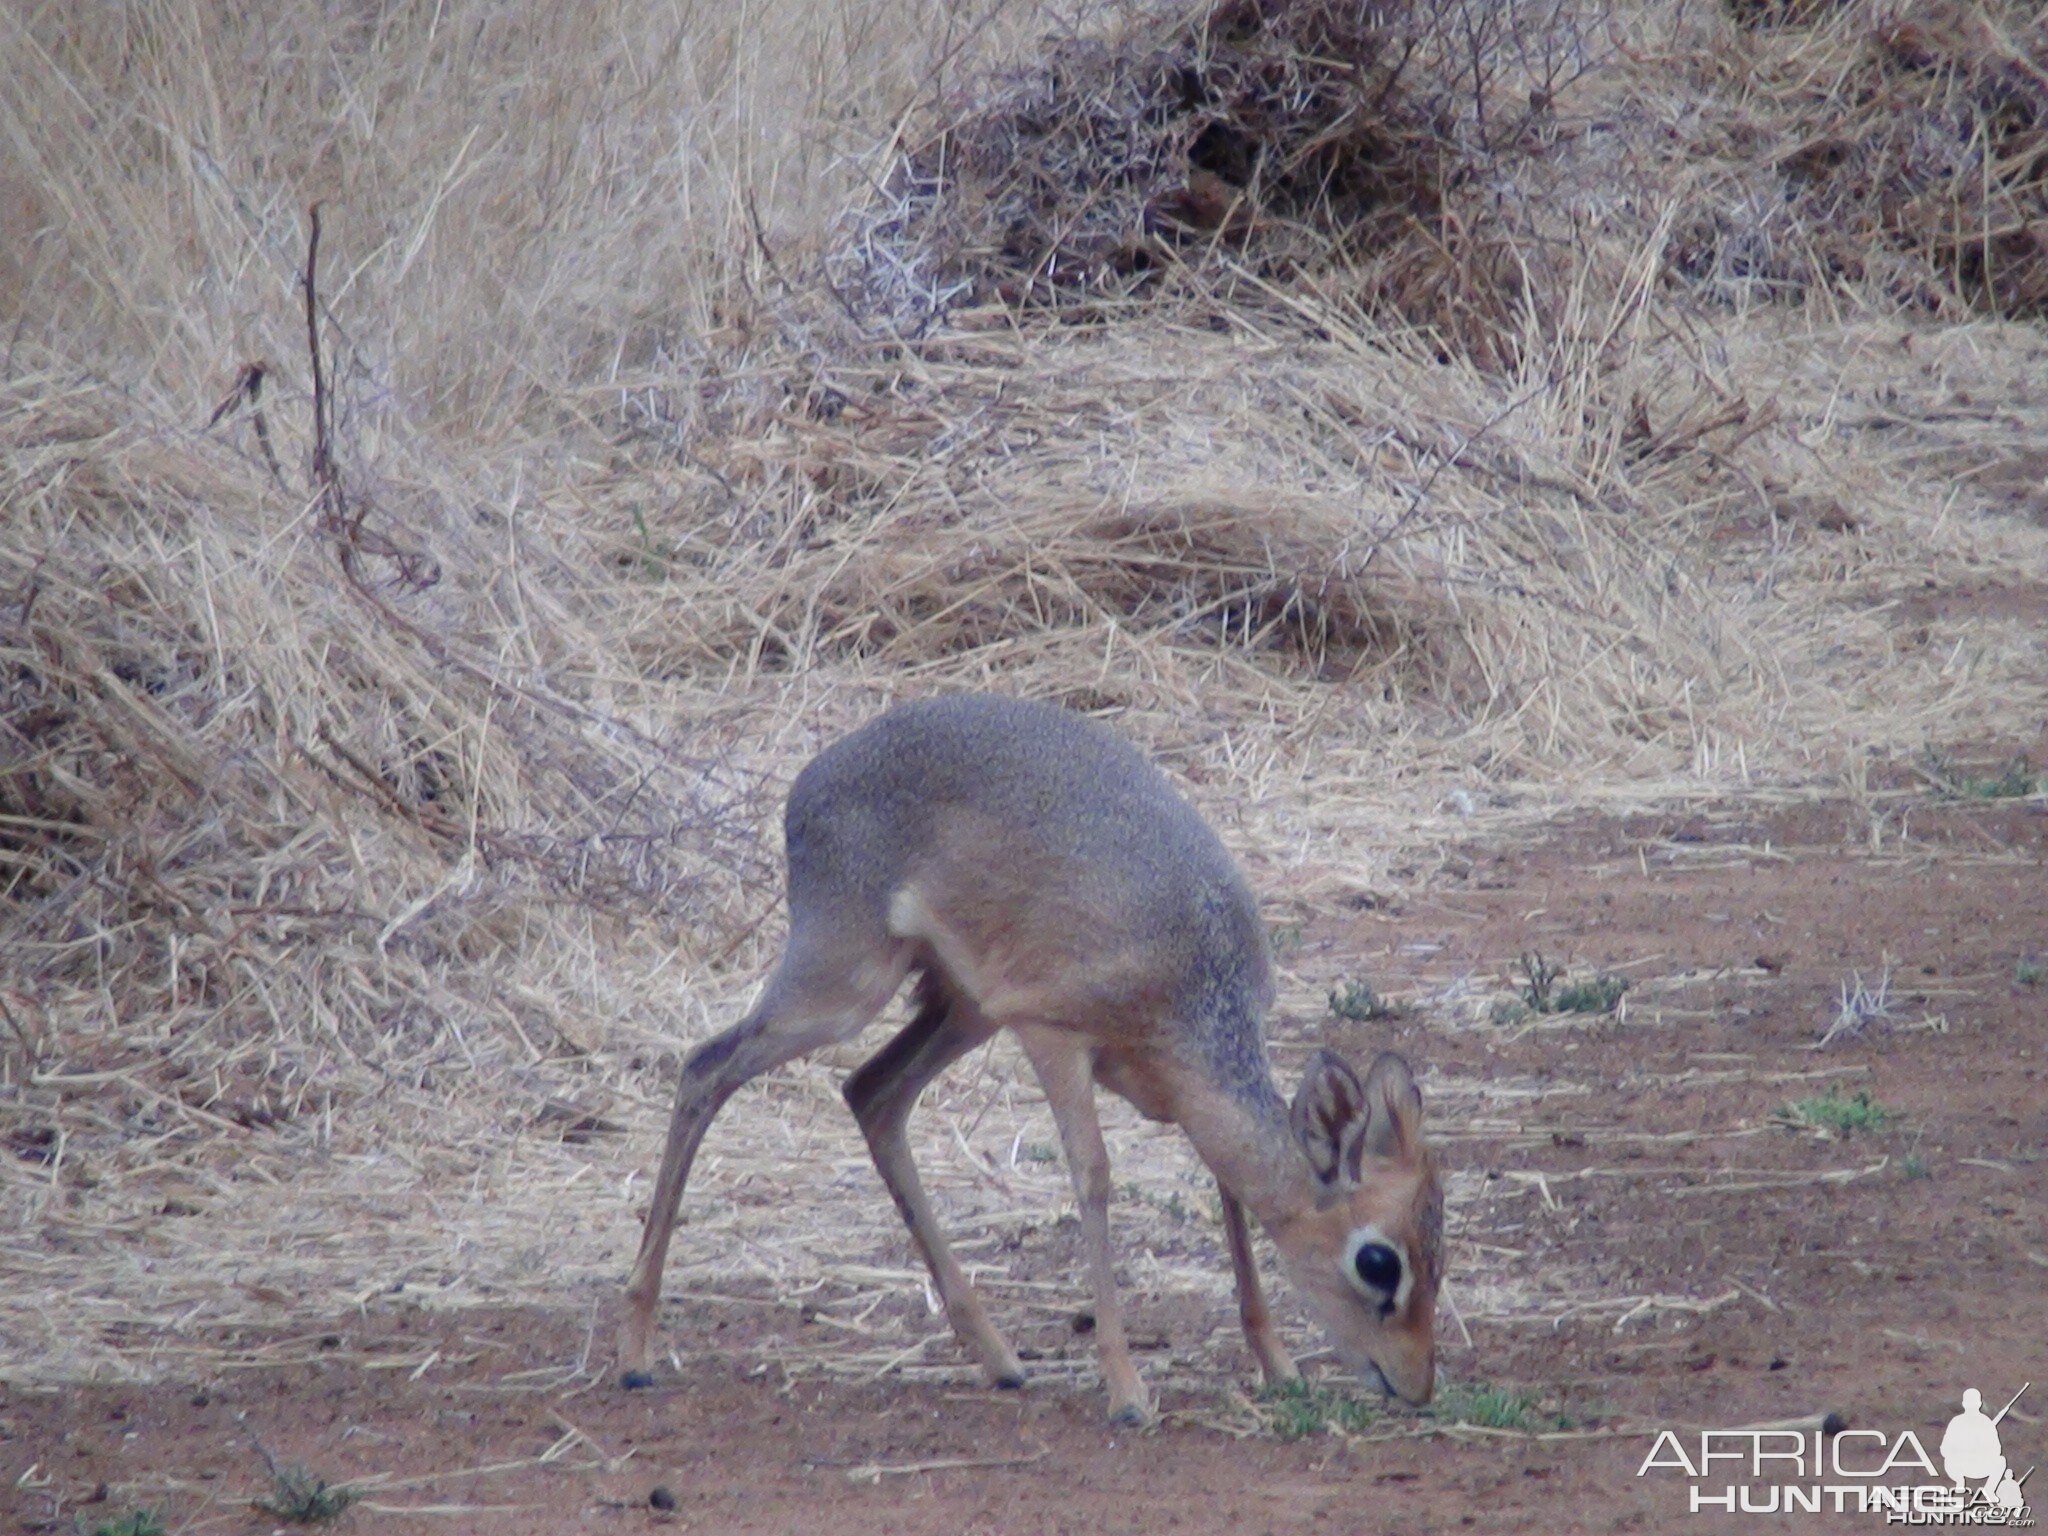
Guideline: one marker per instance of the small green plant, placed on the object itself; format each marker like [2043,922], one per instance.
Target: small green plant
[2030,970]
[1286,937]
[2015,781]
[1914,1166]
[1838,1115]
[299,1497]
[1172,1205]
[1546,990]
[650,563]
[1358,1002]
[1539,978]
[1039,1152]
[1487,1407]
[1301,1409]
[141,1522]
[1599,995]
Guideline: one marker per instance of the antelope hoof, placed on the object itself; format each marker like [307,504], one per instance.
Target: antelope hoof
[635,1381]
[1280,1372]
[1130,1415]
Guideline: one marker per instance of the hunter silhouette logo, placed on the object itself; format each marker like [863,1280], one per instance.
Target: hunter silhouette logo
[1971,1452]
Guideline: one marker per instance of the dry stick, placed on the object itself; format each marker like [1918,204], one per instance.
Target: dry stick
[874,1471]
[382,1485]
[437,646]
[32,588]
[336,518]
[447,1509]
[248,390]
[575,1431]
[775,266]
[335,515]
[323,461]
[21,1032]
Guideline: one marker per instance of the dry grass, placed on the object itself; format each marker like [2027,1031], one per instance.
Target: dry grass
[351,906]
[1903,148]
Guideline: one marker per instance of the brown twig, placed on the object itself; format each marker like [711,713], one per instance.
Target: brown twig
[775,266]
[341,519]
[248,390]
[324,477]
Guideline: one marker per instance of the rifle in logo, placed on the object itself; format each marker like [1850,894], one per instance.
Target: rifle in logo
[1971,1452]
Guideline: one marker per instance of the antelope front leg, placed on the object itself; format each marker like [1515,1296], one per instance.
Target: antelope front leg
[1275,1364]
[1070,1091]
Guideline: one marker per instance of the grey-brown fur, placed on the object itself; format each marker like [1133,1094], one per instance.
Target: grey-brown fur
[1096,822]
[1038,875]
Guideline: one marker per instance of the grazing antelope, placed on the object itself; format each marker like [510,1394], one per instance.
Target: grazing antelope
[1039,875]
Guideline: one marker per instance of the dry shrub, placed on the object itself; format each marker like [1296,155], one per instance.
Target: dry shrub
[1902,149]
[276,831]
[254,811]
[1281,139]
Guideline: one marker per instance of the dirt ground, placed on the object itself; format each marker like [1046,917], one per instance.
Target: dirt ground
[1744,1268]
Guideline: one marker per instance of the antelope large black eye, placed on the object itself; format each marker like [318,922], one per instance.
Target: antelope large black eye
[1379,1267]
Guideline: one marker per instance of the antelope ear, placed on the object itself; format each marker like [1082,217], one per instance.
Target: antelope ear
[1393,1109]
[1330,1118]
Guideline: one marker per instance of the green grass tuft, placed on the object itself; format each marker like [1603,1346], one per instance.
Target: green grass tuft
[1840,1116]
[1301,1410]
[1286,938]
[1172,1203]
[1507,1011]
[1358,1002]
[2016,781]
[299,1497]
[141,1522]
[1489,1408]
[1599,995]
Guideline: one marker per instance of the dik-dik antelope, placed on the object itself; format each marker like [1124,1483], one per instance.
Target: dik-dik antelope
[1039,875]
